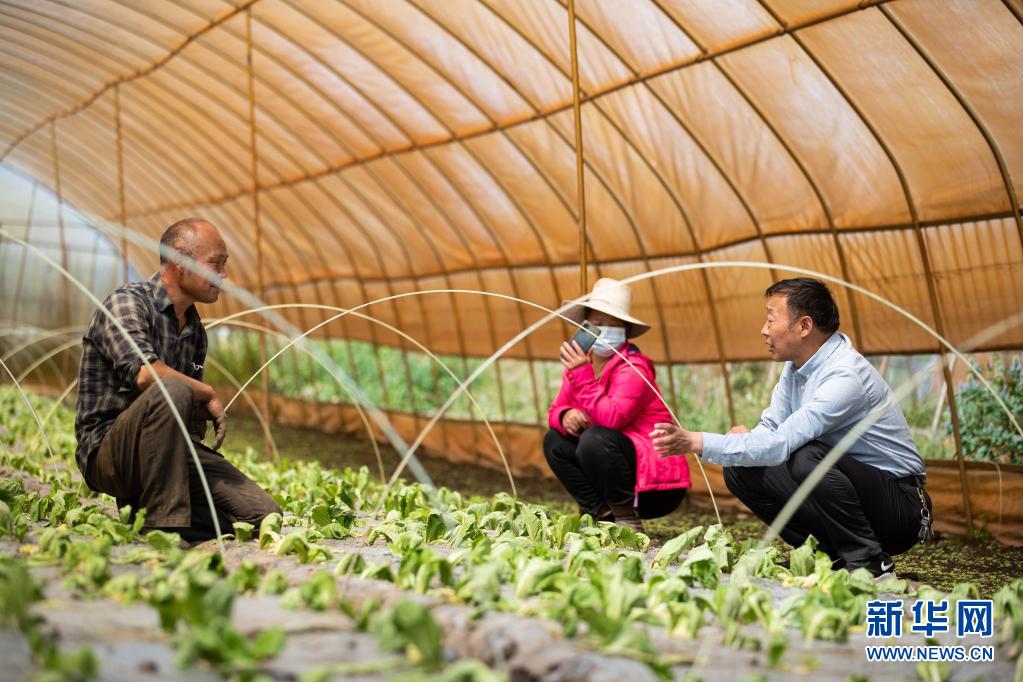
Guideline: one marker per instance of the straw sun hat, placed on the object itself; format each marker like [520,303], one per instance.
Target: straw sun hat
[614,298]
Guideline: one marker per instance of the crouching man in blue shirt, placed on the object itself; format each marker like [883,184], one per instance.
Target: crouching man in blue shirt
[871,504]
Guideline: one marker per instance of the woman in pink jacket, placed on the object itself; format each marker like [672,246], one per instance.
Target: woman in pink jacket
[599,445]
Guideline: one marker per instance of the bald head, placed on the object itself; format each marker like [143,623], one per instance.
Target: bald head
[180,238]
[199,241]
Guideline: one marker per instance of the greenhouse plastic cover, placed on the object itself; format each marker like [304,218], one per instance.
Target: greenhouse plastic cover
[387,147]
[413,145]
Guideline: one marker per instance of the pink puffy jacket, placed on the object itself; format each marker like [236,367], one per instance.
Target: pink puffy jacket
[621,400]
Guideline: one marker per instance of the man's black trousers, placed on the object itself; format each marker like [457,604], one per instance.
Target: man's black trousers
[855,512]
[599,470]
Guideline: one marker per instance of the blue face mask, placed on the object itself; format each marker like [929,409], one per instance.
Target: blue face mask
[610,340]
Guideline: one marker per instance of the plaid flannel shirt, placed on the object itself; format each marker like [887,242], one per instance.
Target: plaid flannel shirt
[110,366]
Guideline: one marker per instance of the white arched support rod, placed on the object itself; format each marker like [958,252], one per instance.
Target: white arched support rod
[35,415]
[720,264]
[36,335]
[847,441]
[68,277]
[247,298]
[240,387]
[67,345]
[462,387]
[263,424]
[407,337]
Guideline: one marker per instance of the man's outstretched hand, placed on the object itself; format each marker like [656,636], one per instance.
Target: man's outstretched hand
[669,439]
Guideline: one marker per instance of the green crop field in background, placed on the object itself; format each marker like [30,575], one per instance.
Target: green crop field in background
[698,400]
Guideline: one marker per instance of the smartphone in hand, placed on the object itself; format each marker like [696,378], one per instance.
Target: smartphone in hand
[586,336]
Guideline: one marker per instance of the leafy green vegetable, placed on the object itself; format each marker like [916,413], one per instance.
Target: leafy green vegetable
[673,548]
[274,582]
[18,591]
[319,593]
[297,543]
[409,627]
[592,579]
[11,489]
[162,540]
[537,576]
[801,559]
[243,531]
[701,564]
[269,530]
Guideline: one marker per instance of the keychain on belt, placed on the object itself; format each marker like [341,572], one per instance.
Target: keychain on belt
[925,517]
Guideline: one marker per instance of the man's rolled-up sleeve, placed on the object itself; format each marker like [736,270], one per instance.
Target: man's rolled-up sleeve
[836,400]
[124,349]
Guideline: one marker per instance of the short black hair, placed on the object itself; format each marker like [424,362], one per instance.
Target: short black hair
[176,237]
[808,296]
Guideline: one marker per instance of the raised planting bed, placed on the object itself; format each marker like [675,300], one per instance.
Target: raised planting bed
[356,581]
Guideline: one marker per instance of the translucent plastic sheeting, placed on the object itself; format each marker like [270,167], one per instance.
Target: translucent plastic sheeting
[31,298]
[418,144]
[385,148]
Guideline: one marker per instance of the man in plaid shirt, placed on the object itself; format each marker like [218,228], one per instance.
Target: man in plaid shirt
[130,445]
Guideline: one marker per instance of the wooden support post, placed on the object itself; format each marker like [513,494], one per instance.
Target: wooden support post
[122,215]
[65,367]
[257,221]
[580,180]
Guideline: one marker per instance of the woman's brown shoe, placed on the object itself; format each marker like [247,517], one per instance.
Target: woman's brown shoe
[627,518]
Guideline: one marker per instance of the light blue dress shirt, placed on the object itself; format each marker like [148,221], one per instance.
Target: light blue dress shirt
[823,400]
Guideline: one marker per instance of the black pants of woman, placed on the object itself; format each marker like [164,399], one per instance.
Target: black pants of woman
[599,470]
